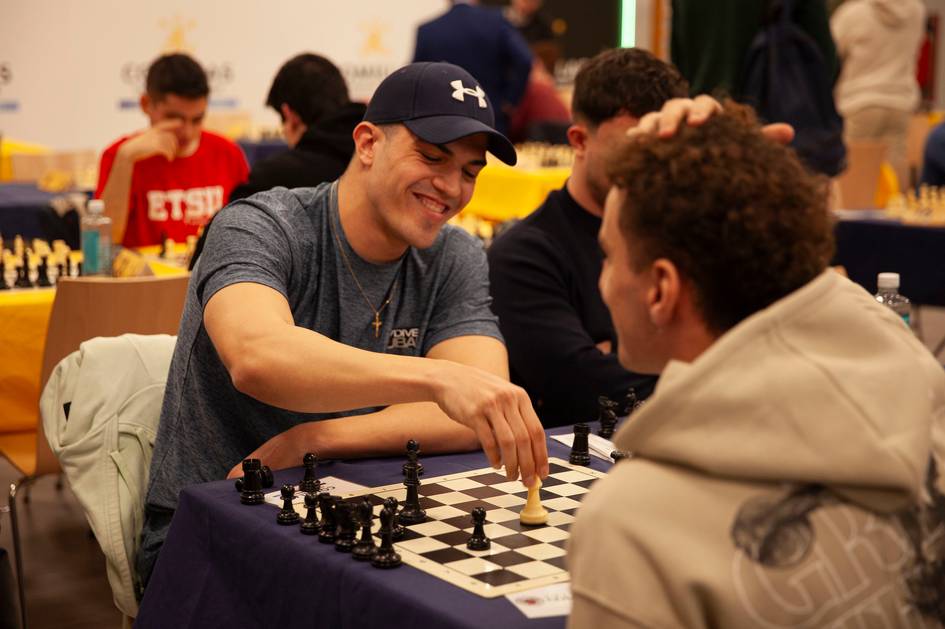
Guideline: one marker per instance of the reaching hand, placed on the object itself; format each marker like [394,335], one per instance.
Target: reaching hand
[500,414]
[694,112]
[160,139]
[282,451]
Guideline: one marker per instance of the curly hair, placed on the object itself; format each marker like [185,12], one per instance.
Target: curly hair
[624,80]
[177,74]
[738,214]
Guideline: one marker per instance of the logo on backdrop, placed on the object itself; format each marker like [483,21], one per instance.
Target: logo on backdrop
[6,78]
[374,61]
[460,93]
[220,75]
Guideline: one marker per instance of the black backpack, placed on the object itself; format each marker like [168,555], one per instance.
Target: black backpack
[785,79]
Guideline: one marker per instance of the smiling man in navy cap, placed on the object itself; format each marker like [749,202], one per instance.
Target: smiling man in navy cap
[348,318]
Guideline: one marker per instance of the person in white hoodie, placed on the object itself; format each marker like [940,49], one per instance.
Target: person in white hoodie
[877,91]
[785,472]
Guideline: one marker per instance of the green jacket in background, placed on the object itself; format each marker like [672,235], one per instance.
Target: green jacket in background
[711,39]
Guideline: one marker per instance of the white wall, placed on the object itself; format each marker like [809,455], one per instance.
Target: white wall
[71,71]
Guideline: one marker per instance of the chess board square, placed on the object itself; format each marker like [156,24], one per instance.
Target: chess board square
[375,500]
[556,468]
[446,555]
[542,551]
[516,541]
[572,511]
[495,531]
[469,505]
[558,562]
[567,489]
[460,521]
[509,558]
[505,500]
[426,502]
[400,494]
[534,569]
[551,481]
[510,487]
[489,553]
[498,577]
[560,543]
[547,534]
[450,498]
[460,484]
[560,519]
[432,489]
[500,515]
[543,494]
[431,528]
[586,484]
[443,512]
[483,492]
[490,478]
[453,538]
[560,503]
[517,525]
[571,476]
[421,545]
[472,565]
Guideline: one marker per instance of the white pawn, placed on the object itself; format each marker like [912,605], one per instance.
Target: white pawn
[533,513]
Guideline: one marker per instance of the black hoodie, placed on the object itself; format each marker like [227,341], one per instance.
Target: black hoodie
[321,155]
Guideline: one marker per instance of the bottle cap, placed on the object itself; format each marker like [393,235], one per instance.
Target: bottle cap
[888,280]
[95,206]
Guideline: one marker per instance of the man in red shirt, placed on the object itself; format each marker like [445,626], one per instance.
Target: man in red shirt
[167,181]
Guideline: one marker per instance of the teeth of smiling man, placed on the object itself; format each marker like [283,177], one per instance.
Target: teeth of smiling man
[433,205]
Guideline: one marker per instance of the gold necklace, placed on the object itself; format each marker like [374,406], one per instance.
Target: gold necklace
[377,323]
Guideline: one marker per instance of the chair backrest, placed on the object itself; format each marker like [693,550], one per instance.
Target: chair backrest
[858,182]
[87,307]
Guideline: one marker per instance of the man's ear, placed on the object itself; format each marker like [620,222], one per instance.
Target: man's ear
[577,138]
[146,104]
[664,292]
[289,115]
[366,136]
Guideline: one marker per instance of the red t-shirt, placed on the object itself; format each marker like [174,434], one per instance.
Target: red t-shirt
[176,197]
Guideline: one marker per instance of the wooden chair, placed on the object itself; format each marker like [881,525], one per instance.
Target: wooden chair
[85,308]
[857,185]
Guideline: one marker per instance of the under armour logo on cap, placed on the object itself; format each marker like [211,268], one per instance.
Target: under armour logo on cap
[459,93]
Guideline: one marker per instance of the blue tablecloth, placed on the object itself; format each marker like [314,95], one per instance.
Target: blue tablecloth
[867,247]
[228,565]
[25,211]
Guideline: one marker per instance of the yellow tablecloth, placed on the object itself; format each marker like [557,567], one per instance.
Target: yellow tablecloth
[503,192]
[24,316]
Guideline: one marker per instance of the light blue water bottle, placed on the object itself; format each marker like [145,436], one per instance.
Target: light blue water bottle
[888,294]
[96,231]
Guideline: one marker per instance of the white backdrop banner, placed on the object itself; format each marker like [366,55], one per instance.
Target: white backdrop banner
[71,72]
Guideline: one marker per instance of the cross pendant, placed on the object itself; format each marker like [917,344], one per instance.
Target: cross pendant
[377,325]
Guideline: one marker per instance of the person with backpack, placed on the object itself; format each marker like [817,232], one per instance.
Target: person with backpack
[877,92]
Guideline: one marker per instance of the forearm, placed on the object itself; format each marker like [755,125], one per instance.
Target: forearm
[116,194]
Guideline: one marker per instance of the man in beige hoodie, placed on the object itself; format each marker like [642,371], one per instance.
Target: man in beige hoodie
[786,467]
[878,45]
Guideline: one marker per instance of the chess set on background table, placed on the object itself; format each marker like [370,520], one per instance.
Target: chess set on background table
[36,264]
[474,529]
[925,208]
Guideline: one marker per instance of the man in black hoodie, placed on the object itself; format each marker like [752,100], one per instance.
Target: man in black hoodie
[317,120]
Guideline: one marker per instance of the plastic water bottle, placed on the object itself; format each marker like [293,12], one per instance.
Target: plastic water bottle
[888,294]
[96,231]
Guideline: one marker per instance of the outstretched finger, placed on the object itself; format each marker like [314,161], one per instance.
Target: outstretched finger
[674,111]
[523,445]
[536,434]
[780,132]
[703,107]
[506,439]
[488,442]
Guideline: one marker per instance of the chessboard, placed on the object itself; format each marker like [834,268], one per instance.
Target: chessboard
[521,557]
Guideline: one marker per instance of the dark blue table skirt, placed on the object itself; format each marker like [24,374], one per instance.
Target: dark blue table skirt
[25,211]
[261,149]
[228,565]
[869,247]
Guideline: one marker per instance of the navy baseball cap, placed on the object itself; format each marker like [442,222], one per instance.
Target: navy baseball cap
[440,103]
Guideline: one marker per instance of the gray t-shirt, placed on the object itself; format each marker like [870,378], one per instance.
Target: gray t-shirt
[286,239]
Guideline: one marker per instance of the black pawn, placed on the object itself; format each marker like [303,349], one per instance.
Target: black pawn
[478,540]
[413,452]
[309,483]
[631,402]
[68,266]
[310,525]
[23,275]
[619,455]
[398,530]
[411,512]
[386,556]
[580,453]
[3,273]
[344,534]
[326,529]
[364,549]
[59,272]
[42,279]
[606,416]
[287,514]
[251,486]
